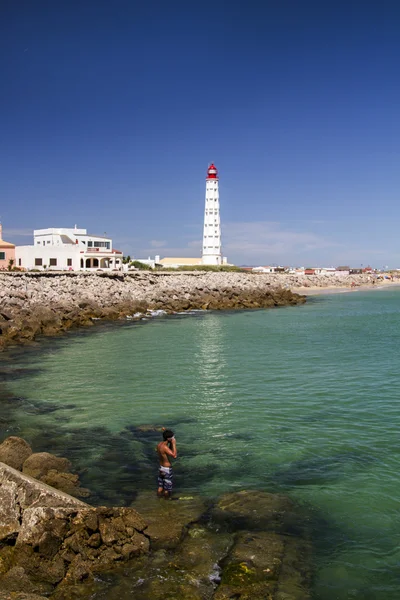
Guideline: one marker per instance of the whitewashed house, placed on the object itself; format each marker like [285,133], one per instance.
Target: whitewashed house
[264,269]
[62,249]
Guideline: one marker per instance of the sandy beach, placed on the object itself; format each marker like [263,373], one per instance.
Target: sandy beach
[316,291]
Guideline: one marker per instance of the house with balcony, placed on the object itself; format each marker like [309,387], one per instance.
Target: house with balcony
[7,252]
[63,249]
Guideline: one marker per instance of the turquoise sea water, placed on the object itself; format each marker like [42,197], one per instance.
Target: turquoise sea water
[301,400]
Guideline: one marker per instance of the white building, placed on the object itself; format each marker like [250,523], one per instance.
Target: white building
[266,269]
[212,254]
[150,262]
[62,249]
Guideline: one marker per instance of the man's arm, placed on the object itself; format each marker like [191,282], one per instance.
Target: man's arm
[172,451]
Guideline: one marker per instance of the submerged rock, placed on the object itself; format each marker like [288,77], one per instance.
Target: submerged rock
[168,520]
[255,510]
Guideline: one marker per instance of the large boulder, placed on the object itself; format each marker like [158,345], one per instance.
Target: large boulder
[39,464]
[14,451]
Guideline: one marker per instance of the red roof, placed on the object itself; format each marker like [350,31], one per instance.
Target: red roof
[212,172]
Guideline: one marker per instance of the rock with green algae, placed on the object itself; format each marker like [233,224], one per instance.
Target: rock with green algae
[168,520]
[271,554]
[265,565]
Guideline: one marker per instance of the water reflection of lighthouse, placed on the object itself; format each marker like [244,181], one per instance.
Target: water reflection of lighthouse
[212,254]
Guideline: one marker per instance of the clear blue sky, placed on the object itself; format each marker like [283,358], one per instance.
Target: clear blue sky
[110,113]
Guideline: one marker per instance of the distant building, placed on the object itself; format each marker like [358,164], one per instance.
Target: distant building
[173,263]
[7,252]
[327,271]
[268,269]
[342,271]
[62,249]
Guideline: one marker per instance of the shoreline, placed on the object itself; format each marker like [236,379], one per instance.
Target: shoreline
[316,291]
[37,304]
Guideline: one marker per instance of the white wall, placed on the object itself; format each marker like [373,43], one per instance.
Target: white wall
[25,257]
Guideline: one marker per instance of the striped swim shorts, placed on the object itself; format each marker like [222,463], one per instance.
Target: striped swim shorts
[165,478]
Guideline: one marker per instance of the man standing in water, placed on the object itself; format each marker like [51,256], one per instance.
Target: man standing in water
[165,449]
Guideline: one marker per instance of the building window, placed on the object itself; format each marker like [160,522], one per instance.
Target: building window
[2,256]
[48,241]
[90,244]
[53,262]
[69,262]
[102,245]
[44,242]
[38,242]
[19,262]
[38,262]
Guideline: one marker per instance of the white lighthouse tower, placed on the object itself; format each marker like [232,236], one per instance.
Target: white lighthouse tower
[212,226]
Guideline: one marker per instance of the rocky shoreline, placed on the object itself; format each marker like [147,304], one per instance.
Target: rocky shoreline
[245,544]
[33,304]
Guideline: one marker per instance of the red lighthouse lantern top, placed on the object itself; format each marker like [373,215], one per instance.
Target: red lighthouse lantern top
[212,172]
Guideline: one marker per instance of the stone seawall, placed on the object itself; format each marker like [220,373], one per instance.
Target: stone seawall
[33,304]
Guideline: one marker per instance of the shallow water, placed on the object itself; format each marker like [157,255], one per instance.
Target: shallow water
[300,400]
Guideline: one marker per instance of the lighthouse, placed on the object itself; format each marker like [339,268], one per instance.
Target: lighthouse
[211,254]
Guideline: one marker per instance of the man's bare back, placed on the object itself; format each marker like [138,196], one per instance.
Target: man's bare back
[163,451]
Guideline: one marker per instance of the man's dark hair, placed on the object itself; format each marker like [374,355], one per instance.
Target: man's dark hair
[167,434]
